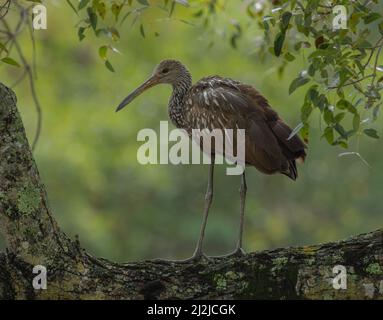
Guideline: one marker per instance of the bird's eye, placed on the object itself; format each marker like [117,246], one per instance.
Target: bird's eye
[166,70]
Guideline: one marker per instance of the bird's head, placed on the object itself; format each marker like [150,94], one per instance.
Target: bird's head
[167,71]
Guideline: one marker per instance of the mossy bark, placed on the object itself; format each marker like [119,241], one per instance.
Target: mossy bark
[33,238]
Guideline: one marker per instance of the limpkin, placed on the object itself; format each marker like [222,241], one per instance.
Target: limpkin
[222,103]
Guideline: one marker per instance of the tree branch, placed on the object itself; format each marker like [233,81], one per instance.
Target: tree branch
[33,238]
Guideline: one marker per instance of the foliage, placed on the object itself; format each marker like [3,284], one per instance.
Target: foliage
[340,60]
[336,58]
[344,61]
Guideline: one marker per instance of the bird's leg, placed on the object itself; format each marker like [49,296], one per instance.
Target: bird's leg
[198,254]
[208,200]
[242,193]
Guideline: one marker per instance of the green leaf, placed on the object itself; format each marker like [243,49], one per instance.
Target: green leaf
[100,7]
[344,104]
[172,8]
[116,10]
[144,2]
[311,70]
[113,32]
[83,4]
[380,26]
[341,143]
[321,42]
[339,117]
[142,31]
[278,43]
[363,44]
[354,20]
[198,13]
[341,131]
[71,5]
[329,135]
[371,133]
[233,39]
[321,102]
[109,66]
[356,122]
[10,61]
[3,47]
[285,20]
[328,116]
[102,51]
[249,10]
[80,33]
[289,57]
[297,82]
[312,94]
[371,17]
[306,110]
[305,133]
[92,18]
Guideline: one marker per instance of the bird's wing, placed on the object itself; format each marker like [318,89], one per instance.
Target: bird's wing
[216,94]
[292,147]
[216,102]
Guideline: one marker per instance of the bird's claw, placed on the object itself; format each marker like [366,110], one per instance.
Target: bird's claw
[196,257]
[239,252]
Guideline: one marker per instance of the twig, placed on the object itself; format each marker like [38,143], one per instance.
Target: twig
[376,65]
[353,153]
[5,7]
[29,72]
[350,83]
[32,36]
[19,79]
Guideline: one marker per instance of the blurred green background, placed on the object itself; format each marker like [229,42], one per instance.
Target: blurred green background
[124,211]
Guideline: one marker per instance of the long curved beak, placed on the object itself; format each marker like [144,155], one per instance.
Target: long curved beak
[152,81]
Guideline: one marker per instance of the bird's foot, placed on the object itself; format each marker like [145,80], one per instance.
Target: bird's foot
[196,257]
[239,252]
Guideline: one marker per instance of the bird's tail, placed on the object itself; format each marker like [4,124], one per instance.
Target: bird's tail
[292,171]
[292,147]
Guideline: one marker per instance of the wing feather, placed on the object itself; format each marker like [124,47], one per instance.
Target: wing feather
[229,104]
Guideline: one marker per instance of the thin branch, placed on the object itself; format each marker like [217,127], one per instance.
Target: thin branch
[325,7]
[368,60]
[377,45]
[29,72]
[32,36]
[19,79]
[357,154]
[350,83]
[376,65]
[5,7]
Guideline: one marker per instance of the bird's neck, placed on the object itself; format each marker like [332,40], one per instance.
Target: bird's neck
[177,104]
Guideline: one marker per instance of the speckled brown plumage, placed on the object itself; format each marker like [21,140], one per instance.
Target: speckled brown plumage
[222,103]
